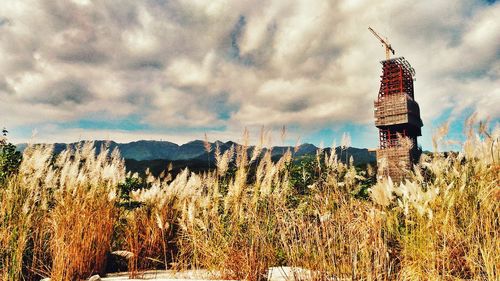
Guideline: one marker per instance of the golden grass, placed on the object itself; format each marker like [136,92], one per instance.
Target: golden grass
[67,213]
[60,217]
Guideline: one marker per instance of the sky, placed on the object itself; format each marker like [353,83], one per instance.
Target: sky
[177,70]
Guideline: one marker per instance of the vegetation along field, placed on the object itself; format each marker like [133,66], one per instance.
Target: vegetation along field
[71,215]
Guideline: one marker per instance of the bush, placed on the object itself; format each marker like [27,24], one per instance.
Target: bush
[10,159]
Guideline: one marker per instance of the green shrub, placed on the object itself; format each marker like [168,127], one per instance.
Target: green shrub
[10,159]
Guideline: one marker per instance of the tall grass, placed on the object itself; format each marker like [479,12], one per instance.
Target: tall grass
[14,229]
[83,218]
[150,228]
[231,227]
[58,214]
[60,217]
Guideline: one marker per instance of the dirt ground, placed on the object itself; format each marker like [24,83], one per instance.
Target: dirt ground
[275,274]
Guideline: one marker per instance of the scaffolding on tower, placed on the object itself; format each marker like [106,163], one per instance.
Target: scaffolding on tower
[397,116]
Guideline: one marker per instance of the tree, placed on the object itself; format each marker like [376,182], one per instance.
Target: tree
[10,158]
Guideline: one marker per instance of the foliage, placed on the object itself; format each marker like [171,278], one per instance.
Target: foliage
[10,159]
[304,172]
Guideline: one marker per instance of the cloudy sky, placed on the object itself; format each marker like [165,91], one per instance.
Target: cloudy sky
[173,70]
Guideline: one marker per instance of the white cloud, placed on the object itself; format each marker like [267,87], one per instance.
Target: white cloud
[185,72]
[206,64]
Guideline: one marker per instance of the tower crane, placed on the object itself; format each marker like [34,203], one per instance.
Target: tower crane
[385,42]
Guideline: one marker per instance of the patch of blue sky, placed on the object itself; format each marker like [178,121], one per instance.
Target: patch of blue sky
[21,133]
[456,130]
[222,106]
[362,135]
[133,123]
[192,130]
[224,114]
[129,123]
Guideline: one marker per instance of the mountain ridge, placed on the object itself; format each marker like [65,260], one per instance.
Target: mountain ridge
[146,150]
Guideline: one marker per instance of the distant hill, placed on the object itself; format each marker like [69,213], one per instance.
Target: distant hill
[138,150]
[156,155]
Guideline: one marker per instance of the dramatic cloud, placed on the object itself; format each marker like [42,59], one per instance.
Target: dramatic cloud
[174,69]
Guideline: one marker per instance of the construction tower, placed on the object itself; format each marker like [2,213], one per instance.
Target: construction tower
[397,116]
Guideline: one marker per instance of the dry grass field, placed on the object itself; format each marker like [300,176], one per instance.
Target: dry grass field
[77,214]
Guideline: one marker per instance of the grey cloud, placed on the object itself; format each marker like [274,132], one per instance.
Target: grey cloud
[63,93]
[4,21]
[230,46]
[138,98]
[146,64]
[181,14]
[5,87]
[295,106]
[83,55]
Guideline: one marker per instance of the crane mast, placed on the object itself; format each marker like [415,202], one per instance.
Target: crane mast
[388,47]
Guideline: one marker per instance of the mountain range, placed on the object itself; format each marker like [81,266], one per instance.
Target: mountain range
[143,154]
